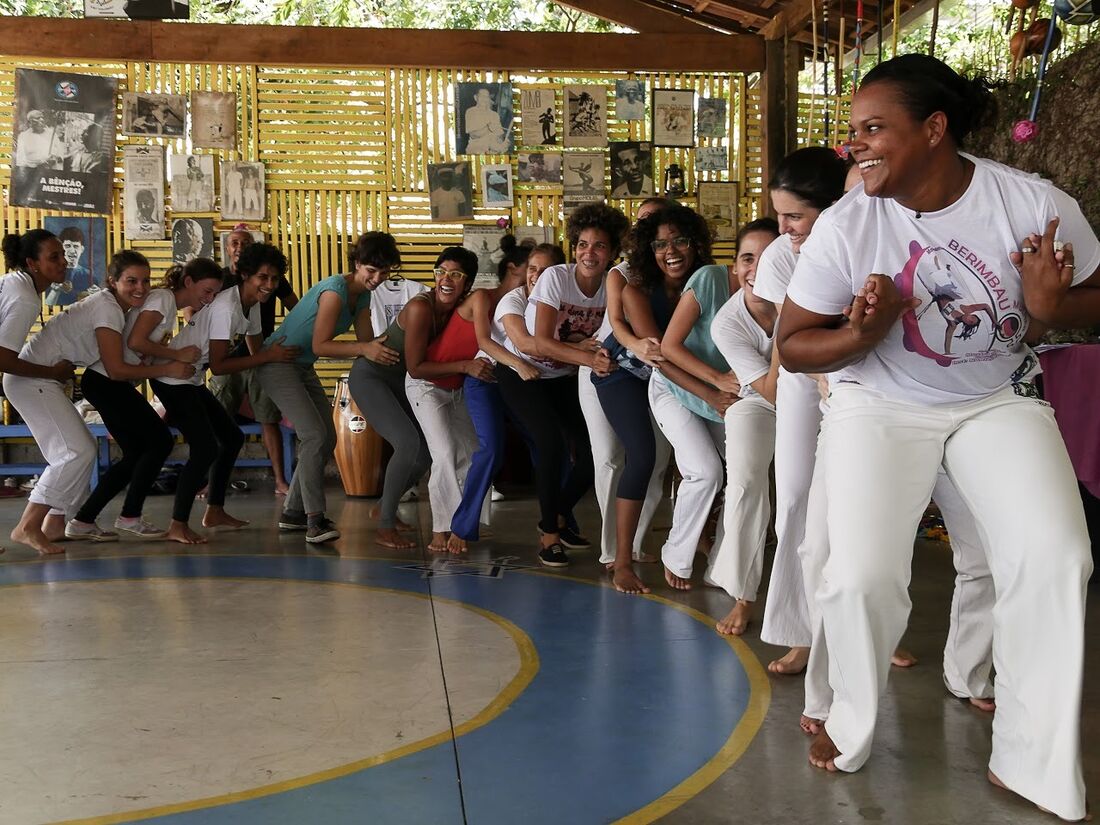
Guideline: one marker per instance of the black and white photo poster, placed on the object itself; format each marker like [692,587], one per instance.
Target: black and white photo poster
[243,191]
[152,114]
[64,141]
[673,117]
[483,119]
[214,120]
[631,169]
[585,116]
[143,192]
[540,122]
[450,191]
[583,179]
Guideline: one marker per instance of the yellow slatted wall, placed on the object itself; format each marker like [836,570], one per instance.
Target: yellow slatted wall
[812,122]
[346,149]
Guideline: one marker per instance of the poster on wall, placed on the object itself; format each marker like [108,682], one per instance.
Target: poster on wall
[152,114]
[533,235]
[540,125]
[629,100]
[139,9]
[483,241]
[450,191]
[583,179]
[64,141]
[483,119]
[496,186]
[539,167]
[585,116]
[214,120]
[84,241]
[712,158]
[631,169]
[143,192]
[712,117]
[192,183]
[243,190]
[192,238]
[673,117]
[718,204]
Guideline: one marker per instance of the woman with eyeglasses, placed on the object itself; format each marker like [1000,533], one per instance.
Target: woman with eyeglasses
[691,419]
[328,310]
[440,351]
[565,310]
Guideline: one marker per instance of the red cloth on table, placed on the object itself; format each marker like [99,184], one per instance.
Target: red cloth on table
[1071,383]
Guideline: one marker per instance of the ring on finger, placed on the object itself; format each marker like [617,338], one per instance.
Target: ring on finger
[1028,249]
[1067,266]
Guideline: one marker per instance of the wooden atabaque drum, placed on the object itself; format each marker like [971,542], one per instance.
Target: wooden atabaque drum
[359,449]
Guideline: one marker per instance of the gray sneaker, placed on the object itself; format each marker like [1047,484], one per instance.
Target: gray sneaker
[291,520]
[92,532]
[324,530]
[140,527]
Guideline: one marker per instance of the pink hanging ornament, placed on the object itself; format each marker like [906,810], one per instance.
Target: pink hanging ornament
[1024,130]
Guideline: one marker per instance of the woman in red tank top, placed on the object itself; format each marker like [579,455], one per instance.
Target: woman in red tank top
[440,351]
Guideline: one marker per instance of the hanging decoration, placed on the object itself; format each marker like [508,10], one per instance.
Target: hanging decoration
[1025,130]
[859,44]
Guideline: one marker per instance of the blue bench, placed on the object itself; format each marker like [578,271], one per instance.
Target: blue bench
[102,437]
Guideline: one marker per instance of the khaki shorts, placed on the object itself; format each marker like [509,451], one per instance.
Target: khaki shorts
[230,390]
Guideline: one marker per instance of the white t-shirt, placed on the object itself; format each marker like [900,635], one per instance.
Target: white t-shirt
[389,299]
[221,320]
[774,270]
[20,306]
[70,336]
[161,301]
[605,327]
[579,316]
[510,303]
[744,344]
[965,340]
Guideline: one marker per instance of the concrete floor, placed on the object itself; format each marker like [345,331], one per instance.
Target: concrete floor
[928,766]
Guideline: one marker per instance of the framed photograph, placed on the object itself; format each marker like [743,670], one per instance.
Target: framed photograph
[450,191]
[214,120]
[539,167]
[631,169]
[143,192]
[84,241]
[583,179]
[483,241]
[483,119]
[718,204]
[712,158]
[673,117]
[192,238]
[192,183]
[712,117]
[243,191]
[139,9]
[585,116]
[540,124]
[64,141]
[630,100]
[147,114]
[496,185]
[223,242]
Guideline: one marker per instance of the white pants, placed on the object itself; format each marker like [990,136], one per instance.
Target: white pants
[699,446]
[63,438]
[738,560]
[968,654]
[797,421]
[608,458]
[451,440]
[1006,457]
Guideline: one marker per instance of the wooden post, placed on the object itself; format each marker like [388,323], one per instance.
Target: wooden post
[781,65]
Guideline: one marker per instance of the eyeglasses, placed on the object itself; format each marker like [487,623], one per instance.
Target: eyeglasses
[439,272]
[661,244]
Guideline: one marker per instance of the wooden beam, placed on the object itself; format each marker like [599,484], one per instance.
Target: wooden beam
[638,16]
[155,41]
[780,103]
[791,20]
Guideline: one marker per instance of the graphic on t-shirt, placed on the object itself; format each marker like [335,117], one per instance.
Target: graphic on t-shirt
[575,324]
[965,313]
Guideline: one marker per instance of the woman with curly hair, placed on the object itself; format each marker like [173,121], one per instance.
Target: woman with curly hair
[692,421]
[564,311]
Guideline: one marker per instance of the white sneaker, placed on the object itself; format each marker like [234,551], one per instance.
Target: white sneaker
[410,495]
[92,532]
[140,527]
[495,494]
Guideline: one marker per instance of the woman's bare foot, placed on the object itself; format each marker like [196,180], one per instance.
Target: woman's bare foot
[403,526]
[823,752]
[793,663]
[737,620]
[987,705]
[810,726]
[281,488]
[626,580]
[676,582]
[438,544]
[647,558]
[53,528]
[389,537]
[903,658]
[217,517]
[178,531]
[995,780]
[456,544]
[34,537]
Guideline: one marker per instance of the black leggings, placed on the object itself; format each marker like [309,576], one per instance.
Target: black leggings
[551,412]
[213,438]
[137,429]
[625,402]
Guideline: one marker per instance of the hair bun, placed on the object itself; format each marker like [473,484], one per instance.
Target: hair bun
[507,243]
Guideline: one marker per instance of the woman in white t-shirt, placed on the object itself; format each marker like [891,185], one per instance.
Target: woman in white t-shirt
[901,406]
[564,312]
[214,440]
[743,330]
[34,260]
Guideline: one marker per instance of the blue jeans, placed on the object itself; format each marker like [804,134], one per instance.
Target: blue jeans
[486,409]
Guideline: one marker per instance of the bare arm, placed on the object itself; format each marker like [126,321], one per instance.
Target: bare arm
[673,348]
[222,364]
[109,342]
[626,301]
[12,364]
[482,328]
[547,346]
[766,384]
[1047,276]
[417,320]
[141,343]
[324,332]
